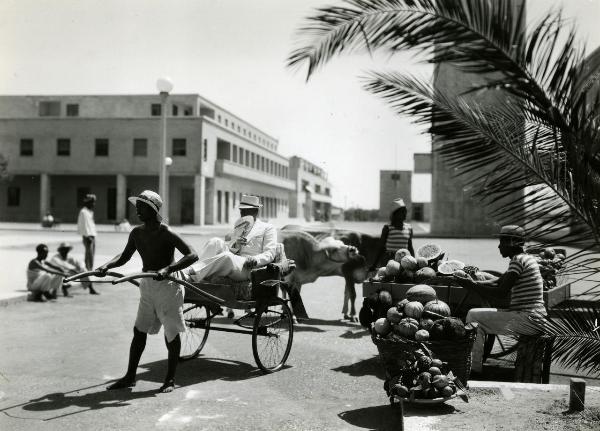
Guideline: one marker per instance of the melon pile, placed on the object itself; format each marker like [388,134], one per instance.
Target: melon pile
[422,377]
[419,316]
[405,268]
[550,263]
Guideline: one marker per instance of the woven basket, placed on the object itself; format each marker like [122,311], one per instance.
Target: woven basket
[457,353]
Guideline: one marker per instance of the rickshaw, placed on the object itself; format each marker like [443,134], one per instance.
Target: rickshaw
[267,316]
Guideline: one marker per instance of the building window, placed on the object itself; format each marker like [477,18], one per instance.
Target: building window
[140,147]
[327,191]
[13,197]
[72,110]
[205,150]
[241,158]
[223,150]
[187,111]
[318,188]
[226,122]
[238,129]
[63,147]
[395,177]
[26,147]
[155,109]
[252,160]
[247,158]
[234,152]
[219,118]
[101,147]
[179,147]
[175,110]
[49,109]
[262,163]
[233,125]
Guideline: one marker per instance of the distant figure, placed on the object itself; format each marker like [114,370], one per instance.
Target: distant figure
[123,226]
[42,279]
[86,227]
[48,220]
[68,264]
[394,236]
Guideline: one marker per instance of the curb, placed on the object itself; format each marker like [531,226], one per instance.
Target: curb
[13,300]
[515,385]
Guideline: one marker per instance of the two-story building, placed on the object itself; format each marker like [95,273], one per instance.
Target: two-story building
[311,197]
[60,148]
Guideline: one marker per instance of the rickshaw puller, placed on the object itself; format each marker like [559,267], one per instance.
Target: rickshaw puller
[161,301]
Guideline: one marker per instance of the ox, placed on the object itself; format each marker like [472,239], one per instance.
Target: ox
[320,253]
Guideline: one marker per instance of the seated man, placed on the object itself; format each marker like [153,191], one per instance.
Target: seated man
[61,261]
[234,260]
[522,281]
[42,279]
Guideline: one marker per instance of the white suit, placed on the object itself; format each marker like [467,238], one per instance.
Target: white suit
[217,260]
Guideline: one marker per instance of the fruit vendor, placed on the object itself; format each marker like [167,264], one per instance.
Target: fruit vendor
[394,236]
[522,283]
[161,301]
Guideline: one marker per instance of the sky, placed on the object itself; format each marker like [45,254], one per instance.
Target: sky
[233,52]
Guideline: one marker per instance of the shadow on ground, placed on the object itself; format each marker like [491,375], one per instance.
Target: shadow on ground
[188,373]
[366,367]
[311,325]
[387,417]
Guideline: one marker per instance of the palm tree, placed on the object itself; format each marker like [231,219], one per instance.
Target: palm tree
[542,140]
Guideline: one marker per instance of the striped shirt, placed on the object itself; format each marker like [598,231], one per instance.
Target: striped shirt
[397,238]
[527,293]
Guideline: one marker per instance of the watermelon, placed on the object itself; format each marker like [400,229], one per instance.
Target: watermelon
[448,267]
[424,274]
[422,293]
[429,251]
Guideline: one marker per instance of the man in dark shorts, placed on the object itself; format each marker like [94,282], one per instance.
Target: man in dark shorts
[161,301]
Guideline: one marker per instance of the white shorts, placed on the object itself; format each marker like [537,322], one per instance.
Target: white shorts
[161,304]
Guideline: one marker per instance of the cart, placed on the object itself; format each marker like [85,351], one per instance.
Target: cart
[267,316]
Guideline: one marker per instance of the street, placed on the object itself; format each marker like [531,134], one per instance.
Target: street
[57,358]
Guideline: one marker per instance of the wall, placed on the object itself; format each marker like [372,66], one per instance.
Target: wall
[394,185]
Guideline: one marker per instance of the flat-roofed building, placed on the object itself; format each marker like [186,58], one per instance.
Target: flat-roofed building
[311,197]
[61,147]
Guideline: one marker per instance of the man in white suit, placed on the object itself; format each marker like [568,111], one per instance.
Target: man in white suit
[252,245]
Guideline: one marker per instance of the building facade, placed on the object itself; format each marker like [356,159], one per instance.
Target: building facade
[394,185]
[60,148]
[311,197]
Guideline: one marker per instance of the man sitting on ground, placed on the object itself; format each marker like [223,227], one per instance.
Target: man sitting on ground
[61,261]
[42,279]
[522,281]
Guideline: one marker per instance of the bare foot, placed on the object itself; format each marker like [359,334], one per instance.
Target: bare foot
[122,383]
[167,387]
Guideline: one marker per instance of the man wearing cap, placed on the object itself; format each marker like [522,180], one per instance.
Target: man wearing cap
[253,249]
[522,282]
[67,264]
[86,227]
[161,301]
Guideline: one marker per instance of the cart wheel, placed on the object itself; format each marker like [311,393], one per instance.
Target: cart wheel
[197,324]
[272,335]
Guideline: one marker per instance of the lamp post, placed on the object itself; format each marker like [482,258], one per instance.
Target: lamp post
[164,86]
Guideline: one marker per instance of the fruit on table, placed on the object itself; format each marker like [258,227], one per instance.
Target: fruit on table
[437,308]
[424,274]
[446,391]
[400,254]
[406,276]
[422,262]
[381,272]
[385,299]
[434,371]
[470,270]
[548,253]
[429,251]
[407,327]
[393,315]
[440,381]
[422,335]
[437,363]
[382,326]
[426,323]
[392,268]
[413,309]
[400,305]
[409,263]
[454,329]
[424,379]
[437,330]
[461,273]
[448,267]
[400,390]
[422,293]
[424,363]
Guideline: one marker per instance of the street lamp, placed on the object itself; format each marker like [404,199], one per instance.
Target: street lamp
[164,86]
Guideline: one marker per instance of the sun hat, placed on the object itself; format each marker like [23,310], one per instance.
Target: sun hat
[150,198]
[399,203]
[516,233]
[64,245]
[249,201]
[90,197]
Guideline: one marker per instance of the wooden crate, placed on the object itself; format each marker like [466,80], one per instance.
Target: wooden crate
[453,295]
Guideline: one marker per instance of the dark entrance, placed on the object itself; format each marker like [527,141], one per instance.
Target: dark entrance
[187,206]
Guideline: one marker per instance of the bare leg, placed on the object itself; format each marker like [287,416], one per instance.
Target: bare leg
[174,348]
[138,344]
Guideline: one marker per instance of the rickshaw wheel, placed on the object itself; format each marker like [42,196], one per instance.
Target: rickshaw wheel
[197,325]
[272,335]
